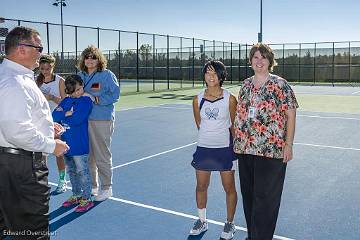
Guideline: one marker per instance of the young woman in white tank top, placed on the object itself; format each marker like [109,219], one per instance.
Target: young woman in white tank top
[53,88]
[214,112]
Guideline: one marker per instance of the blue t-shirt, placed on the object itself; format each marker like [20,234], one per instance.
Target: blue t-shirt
[76,126]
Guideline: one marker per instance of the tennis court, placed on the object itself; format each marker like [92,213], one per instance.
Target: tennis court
[154,183]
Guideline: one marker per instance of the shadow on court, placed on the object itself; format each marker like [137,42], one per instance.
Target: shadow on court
[173,96]
[67,218]
[198,237]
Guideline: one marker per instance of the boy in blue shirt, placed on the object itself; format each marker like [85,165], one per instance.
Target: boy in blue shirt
[73,113]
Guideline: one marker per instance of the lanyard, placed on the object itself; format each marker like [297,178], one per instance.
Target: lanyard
[90,79]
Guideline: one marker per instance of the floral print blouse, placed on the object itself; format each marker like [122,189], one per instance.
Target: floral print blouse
[260,122]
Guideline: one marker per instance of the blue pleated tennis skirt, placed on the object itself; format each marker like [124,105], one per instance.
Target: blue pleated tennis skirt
[213,159]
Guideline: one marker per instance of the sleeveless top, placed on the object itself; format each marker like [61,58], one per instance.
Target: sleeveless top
[215,121]
[53,88]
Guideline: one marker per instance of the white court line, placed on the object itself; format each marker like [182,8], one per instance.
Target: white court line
[174,149]
[161,153]
[300,115]
[187,108]
[177,213]
[134,108]
[355,92]
[316,116]
[326,146]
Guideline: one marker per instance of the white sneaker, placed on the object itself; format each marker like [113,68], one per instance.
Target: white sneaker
[199,227]
[94,191]
[103,195]
[228,232]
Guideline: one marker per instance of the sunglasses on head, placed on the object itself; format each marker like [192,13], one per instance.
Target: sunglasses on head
[91,56]
[39,48]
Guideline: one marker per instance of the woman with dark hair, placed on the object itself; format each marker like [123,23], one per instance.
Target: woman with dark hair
[214,112]
[264,134]
[103,85]
[53,87]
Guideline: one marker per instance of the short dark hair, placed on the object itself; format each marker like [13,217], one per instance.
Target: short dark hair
[219,68]
[266,52]
[70,83]
[16,35]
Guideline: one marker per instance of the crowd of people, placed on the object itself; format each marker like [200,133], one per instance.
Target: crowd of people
[73,119]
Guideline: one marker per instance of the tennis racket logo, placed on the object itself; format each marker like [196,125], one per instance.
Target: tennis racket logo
[212,114]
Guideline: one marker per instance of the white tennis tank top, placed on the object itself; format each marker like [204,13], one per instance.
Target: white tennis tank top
[215,122]
[52,88]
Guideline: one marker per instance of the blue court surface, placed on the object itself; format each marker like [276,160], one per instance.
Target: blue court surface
[154,183]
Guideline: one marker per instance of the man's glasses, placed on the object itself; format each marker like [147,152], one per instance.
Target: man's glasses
[90,56]
[39,48]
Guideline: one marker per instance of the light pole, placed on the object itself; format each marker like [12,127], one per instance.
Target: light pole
[62,4]
[260,33]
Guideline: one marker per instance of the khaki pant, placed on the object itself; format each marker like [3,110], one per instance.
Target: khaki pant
[100,158]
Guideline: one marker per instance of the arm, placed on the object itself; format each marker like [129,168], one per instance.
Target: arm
[232,110]
[112,93]
[56,99]
[81,113]
[59,114]
[290,133]
[196,111]
[62,88]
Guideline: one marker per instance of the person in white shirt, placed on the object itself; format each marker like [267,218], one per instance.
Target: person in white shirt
[53,87]
[26,136]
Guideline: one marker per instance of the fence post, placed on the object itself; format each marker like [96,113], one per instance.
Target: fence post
[98,37]
[239,63]
[223,52]
[193,63]
[119,55]
[76,47]
[167,62]
[333,63]
[231,64]
[315,64]
[137,62]
[349,61]
[47,37]
[246,61]
[214,53]
[283,61]
[181,62]
[154,59]
[299,61]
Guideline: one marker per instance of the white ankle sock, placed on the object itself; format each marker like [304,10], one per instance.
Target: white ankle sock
[202,214]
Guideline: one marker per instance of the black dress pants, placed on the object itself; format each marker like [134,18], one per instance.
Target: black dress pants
[261,182]
[24,197]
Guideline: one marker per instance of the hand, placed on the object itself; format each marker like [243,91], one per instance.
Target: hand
[288,154]
[58,130]
[70,112]
[60,148]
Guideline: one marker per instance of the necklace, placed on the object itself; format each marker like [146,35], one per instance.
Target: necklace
[214,96]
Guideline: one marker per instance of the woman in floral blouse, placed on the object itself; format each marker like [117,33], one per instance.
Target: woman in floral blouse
[264,133]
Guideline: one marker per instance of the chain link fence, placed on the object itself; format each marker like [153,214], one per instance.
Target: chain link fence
[151,62]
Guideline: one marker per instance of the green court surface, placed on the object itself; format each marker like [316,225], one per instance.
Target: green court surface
[310,98]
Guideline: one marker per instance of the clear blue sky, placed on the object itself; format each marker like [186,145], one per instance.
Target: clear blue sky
[284,21]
